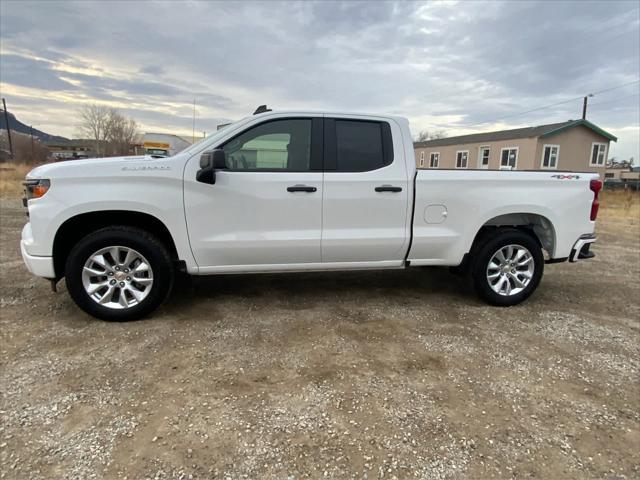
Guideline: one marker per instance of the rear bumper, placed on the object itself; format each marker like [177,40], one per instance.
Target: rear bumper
[582,248]
[40,266]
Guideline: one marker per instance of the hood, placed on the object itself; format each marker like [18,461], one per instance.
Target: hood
[96,165]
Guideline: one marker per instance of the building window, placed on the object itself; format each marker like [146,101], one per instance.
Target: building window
[421,159]
[598,154]
[550,154]
[483,157]
[509,157]
[462,159]
[609,175]
[434,160]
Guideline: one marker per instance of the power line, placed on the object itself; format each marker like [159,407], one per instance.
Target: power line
[615,100]
[550,105]
[526,111]
[615,88]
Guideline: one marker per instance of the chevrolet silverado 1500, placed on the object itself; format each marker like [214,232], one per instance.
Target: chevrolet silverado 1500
[296,191]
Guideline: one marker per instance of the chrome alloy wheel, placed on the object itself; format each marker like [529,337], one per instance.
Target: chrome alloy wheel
[117,277]
[510,270]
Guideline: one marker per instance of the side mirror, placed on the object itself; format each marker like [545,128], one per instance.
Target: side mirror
[209,163]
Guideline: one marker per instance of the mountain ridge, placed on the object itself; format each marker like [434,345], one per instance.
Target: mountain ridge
[17,126]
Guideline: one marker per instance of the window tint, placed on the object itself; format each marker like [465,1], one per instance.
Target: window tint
[358,146]
[277,145]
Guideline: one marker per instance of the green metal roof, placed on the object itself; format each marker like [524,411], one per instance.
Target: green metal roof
[526,132]
[576,123]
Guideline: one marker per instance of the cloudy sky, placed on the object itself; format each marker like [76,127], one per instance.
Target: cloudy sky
[462,67]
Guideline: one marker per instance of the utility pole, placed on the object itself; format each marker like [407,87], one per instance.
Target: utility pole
[6,120]
[31,128]
[584,106]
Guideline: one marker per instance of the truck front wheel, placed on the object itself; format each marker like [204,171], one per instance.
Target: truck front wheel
[507,268]
[119,273]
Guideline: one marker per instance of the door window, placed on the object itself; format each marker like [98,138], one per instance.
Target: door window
[280,145]
[359,146]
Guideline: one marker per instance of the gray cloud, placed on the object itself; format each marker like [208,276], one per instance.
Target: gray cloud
[30,73]
[443,65]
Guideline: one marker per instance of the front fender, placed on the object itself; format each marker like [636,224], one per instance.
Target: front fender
[69,198]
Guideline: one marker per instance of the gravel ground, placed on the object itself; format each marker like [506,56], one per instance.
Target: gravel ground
[398,374]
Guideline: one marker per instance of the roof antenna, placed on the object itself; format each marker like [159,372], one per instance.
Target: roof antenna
[262,109]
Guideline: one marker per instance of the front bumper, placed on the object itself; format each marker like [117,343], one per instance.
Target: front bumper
[582,248]
[40,266]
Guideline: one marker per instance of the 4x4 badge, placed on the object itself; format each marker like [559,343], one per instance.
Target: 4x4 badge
[566,177]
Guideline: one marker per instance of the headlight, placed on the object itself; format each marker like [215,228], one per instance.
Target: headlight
[36,188]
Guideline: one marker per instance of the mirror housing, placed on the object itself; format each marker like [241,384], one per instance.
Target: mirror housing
[209,163]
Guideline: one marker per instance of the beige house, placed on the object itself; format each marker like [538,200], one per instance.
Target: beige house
[576,145]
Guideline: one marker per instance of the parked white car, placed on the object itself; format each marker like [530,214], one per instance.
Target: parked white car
[296,191]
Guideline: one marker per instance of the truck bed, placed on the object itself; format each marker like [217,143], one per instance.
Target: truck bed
[451,206]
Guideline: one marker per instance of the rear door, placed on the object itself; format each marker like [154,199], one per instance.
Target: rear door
[366,193]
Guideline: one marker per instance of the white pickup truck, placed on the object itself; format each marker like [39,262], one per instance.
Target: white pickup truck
[296,191]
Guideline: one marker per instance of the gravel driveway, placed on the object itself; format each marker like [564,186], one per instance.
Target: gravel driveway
[398,374]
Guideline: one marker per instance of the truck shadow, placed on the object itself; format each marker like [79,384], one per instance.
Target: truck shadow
[302,290]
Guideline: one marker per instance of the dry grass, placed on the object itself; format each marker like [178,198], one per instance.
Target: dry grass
[11,178]
[620,205]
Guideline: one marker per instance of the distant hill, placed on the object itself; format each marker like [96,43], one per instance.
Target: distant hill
[18,126]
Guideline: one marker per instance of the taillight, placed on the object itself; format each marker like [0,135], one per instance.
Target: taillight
[595,186]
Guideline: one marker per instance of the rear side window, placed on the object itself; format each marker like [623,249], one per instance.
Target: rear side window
[359,145]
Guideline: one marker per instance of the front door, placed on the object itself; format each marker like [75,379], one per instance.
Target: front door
[365,211]
[264,210]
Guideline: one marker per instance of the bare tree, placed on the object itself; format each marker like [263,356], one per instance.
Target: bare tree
[425,135]
[121,133]
[94,124]
[112,132]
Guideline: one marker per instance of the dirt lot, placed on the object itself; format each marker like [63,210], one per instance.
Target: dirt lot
[401,374]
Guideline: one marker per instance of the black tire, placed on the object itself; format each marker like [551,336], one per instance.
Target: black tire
[482,255]
[143,242]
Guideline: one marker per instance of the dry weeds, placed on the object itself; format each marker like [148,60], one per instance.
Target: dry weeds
[11,178]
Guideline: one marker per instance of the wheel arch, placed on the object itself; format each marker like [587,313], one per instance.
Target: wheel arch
[78,226]
[537,225]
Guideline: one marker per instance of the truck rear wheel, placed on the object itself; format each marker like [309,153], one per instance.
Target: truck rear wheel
[507,268]
[119,273]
